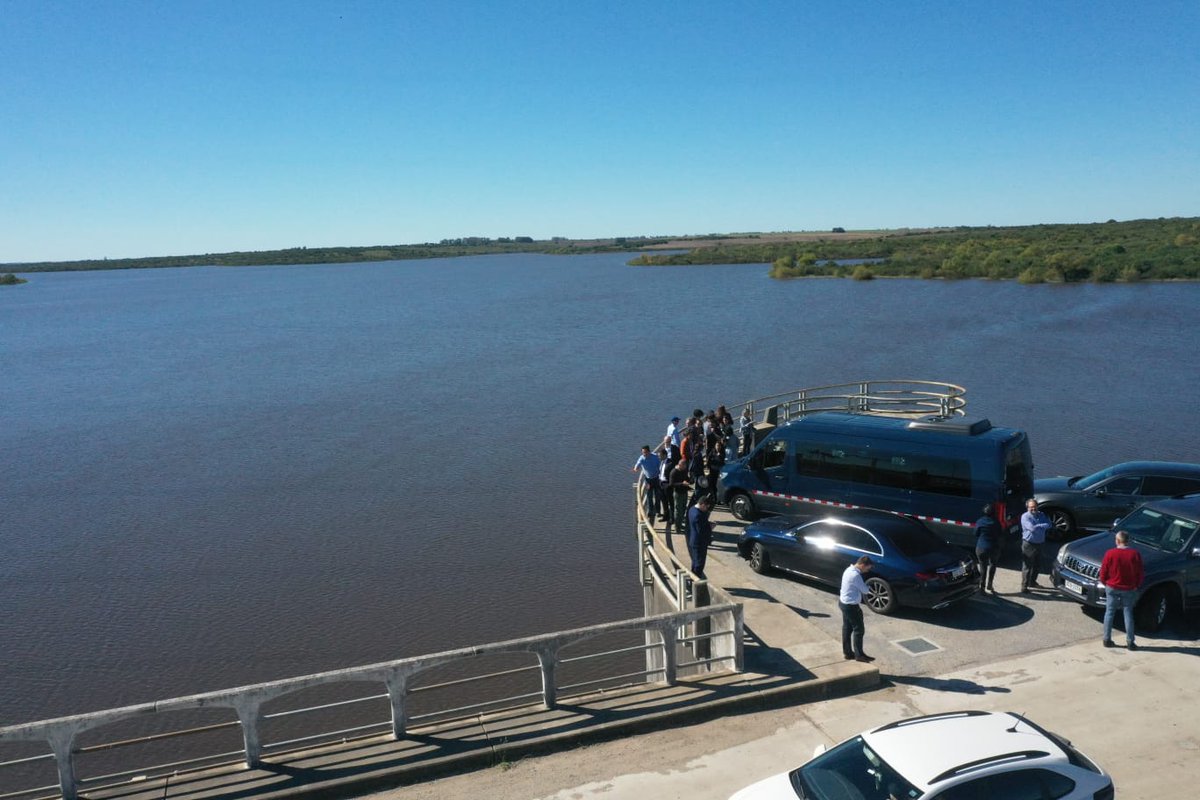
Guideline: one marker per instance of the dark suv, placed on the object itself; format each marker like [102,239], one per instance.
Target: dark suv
[1167,534]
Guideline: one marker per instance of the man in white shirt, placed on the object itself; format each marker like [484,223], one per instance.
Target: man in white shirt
[854,589]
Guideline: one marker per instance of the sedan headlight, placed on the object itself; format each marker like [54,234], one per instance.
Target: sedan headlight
[1061,558]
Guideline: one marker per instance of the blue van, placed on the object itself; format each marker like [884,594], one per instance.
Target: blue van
[940,470]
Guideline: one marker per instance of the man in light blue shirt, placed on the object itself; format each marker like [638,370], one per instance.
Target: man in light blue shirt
[648,466]
[854,589]
[1034,525]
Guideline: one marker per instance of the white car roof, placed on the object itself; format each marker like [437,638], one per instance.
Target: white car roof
[956,741]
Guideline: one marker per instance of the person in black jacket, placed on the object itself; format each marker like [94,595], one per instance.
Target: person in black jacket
[987,548]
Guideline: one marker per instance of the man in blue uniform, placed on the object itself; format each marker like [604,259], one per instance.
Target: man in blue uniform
[699,533]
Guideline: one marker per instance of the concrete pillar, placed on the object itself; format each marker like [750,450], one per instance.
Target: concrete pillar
[546,659]
[669,643]
[249,714]
[62,743]
[397,686]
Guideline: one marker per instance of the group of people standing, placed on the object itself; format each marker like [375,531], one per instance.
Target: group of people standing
[1121,571]
[679,476]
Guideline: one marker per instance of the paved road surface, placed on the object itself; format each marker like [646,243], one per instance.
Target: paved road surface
[1135,713]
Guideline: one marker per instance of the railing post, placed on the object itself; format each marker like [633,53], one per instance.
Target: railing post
[62,743]
[739,642]
[250,714]
[548,658]
[397,686]
[669,644]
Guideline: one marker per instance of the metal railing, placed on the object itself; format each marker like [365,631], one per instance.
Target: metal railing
[711,632]
[895,398]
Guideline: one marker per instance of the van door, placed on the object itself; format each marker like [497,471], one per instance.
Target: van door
[772,467]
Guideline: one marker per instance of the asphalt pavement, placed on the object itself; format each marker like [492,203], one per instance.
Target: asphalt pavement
[981,629]
[1038,654]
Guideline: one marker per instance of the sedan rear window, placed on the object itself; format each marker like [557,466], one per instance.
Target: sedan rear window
[915,540]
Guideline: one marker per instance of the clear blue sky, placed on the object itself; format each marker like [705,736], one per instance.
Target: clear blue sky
[172,127]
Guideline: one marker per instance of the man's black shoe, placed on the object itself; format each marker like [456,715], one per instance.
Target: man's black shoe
[1133,646]
[1108,643]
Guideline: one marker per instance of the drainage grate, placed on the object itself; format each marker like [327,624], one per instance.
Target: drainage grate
[918,646]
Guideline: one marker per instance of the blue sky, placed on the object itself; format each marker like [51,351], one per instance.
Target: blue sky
[156,128]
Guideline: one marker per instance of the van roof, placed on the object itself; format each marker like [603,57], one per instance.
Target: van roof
[928,428]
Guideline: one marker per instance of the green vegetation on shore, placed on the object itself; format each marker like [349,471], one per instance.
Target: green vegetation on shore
[1159,249]
[11,280]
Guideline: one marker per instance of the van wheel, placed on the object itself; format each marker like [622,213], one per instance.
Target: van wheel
[742,507]
[1062,526]
[880,596]
[1153,610]
[760,559]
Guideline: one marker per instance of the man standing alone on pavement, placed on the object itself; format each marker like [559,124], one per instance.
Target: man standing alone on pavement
[1034,525]
[699,534]
[1121,573]
[854,589]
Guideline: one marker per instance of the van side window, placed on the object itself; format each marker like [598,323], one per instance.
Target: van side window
[774,454]
[917,472]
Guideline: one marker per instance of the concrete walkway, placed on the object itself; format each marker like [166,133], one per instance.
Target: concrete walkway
[788,661]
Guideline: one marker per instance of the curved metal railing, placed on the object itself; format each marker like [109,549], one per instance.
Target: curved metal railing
[892,398]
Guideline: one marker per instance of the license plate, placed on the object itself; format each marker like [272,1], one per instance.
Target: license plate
[1072,586]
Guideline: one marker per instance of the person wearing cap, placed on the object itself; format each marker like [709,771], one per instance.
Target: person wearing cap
[699,534]
[854,591]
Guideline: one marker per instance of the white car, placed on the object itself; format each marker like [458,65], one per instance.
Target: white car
[964,755]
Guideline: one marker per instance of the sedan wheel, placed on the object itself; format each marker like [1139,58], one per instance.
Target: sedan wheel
[880,596]
[760,560]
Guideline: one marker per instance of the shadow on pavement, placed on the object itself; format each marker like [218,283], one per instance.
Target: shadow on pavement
[957,685]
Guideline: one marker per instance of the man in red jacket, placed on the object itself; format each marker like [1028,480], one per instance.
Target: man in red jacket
[1121,574]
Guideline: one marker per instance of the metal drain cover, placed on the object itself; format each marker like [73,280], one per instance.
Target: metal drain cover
[918,646]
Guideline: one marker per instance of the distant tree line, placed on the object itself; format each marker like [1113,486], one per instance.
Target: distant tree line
[446,248]
[1158,249]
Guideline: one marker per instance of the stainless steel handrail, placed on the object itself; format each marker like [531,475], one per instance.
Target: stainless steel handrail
[897,398]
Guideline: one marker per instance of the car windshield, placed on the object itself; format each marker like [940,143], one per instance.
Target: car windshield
[851,771]
[1158,530]
[1088,481]
[915,540]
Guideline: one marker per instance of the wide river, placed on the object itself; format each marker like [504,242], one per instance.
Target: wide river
[215,476]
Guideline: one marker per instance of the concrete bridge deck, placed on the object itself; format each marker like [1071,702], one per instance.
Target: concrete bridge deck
[788,661]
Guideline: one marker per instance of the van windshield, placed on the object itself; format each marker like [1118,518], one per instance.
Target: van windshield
[1018,474]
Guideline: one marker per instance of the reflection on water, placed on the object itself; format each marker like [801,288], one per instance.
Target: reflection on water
[222,476]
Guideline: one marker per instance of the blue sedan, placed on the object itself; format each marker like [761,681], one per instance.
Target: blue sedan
[913,567]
